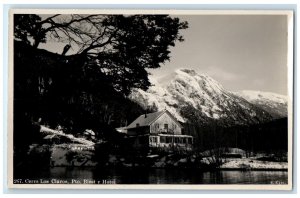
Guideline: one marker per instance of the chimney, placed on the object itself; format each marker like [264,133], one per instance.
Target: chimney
[145,115]
[66,49]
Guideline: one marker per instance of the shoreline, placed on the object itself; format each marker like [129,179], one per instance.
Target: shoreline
[253,169]
[62,156]
[181,168]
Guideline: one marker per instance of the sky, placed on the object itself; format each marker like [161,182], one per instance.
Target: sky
[242,52]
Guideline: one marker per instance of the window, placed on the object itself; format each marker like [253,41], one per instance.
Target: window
[163,139]
[166,127]
[169,140]
[180,140]
[154,139]
[156,126]
[137,125]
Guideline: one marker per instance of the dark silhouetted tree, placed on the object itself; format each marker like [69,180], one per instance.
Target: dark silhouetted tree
[87,86]
[122,47]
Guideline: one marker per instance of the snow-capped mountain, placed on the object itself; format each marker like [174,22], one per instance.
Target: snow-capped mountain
[189,95]
[275,104]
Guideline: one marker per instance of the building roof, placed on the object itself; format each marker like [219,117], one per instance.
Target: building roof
[145,119]
[149,118]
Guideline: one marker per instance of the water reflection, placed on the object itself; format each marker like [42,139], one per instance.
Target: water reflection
[160,176]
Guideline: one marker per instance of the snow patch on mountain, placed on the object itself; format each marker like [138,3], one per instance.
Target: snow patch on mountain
[185,93]
[273,103]
[262,96]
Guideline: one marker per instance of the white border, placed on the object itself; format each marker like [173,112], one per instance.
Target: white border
[151,11]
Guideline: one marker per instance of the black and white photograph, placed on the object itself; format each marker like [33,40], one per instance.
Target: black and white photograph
[161,99]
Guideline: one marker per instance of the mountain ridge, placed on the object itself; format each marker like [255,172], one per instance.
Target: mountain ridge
[189,95]
[273,103]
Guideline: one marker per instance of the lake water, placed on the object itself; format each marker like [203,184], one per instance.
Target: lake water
[74,175]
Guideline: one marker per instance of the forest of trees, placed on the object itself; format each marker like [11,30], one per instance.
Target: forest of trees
[270,137]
